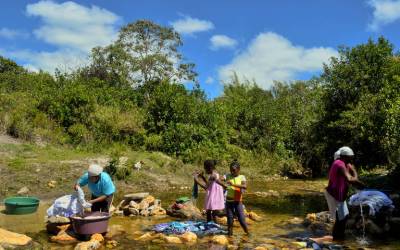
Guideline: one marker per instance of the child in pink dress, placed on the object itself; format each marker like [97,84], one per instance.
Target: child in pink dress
[214,200]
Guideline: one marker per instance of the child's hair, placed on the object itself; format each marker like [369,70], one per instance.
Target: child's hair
[210,164]
[235,164]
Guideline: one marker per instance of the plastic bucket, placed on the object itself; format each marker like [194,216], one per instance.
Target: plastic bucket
[87,226]
[21,205]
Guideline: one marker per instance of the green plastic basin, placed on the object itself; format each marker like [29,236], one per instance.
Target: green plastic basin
[21,205]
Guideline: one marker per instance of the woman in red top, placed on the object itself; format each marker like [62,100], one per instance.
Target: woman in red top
[341,174]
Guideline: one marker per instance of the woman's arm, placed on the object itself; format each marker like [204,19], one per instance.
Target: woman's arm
[221,183]
[98,199]
[351,179]
[200,183]
[353,171]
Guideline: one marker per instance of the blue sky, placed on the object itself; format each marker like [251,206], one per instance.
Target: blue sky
[262,40]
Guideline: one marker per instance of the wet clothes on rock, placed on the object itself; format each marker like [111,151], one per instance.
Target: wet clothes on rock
[200,228]
[374,199]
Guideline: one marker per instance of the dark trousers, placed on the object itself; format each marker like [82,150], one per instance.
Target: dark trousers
[235,208]
[339,228]
[103,206]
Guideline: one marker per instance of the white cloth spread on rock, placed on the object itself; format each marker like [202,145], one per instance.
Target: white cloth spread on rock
[375,200]
[68,205]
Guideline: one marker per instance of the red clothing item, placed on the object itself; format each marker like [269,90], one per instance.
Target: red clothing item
[338,185]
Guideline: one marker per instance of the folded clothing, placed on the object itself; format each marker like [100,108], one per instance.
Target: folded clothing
[198,227]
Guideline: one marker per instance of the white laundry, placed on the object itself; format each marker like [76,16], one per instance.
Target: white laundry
[68,205]
[372,198]
[81,198]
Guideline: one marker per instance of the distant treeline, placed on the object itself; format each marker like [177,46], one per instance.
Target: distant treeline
[132,93]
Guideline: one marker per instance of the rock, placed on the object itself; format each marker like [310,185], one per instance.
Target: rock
[56,228]
[222,220]
[88,245]
[118,213]
[57,220]
[232,247]
[133,204]
[296,221]
[158,211]
[146,202]
[143,205]
[260,248]
[10,239]
[122,204]
[254,216]
[145,237]
[220,240]
[23,190]
[52,184]
[172,240]
[111,244]
[133,211]
[63,238]
[157,203]
[144,213]
[135,196]
[189,237]
[186,211]
[97,237]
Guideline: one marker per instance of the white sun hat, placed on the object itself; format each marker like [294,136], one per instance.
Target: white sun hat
[346,151]
[95,170]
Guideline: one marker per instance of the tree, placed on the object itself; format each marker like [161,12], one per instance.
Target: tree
[355,98]
[144,52]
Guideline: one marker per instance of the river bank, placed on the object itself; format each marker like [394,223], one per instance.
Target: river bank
[49,172]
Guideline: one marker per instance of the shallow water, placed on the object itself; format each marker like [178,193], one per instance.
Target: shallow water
[296,199]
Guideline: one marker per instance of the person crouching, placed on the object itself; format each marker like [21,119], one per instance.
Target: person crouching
[101,187]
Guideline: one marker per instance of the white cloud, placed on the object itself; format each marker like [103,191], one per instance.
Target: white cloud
[385,12]
[65,59]
[210,80]
[72,28]
[70,25]
[272,57]
[189,25]
[222,41]
[12,34]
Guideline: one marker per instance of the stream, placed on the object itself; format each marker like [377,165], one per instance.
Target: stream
[294,198]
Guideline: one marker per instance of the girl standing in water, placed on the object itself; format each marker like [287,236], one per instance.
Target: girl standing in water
[235,185]
[214,200]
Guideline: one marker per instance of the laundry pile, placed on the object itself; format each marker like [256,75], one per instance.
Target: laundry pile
[200,228]
[69,205]
[374,199]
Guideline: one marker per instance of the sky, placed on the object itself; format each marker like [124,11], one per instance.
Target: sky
[260,40]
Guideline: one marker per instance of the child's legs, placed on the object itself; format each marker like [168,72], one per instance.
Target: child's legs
[240,215]
[229,213]
[209,215]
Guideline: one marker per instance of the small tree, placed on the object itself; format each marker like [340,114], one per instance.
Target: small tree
[144,52]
